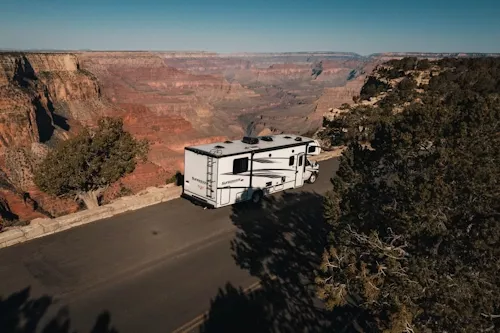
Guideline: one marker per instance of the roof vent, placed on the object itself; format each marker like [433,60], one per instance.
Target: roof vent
[266,138]
[219,147]
[228,141]
[298,138]
[250,140]
[287,137]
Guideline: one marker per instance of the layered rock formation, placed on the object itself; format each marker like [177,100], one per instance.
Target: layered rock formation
[30,87]
[172,99]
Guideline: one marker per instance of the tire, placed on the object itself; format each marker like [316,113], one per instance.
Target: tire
[257,197]
[313,178]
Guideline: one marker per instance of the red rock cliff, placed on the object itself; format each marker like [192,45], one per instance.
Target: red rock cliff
[172,99]
[39,99]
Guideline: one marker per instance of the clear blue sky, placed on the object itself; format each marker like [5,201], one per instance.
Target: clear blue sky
[362,26]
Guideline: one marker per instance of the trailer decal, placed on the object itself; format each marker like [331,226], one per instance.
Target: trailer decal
[263,160]
[199,180]
[232,181]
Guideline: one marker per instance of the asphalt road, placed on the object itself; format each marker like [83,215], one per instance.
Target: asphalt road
[151,270]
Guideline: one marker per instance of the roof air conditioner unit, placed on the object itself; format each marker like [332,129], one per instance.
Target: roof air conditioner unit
[250,140]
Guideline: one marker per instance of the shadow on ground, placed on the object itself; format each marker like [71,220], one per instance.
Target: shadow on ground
[282,244]
[19,313]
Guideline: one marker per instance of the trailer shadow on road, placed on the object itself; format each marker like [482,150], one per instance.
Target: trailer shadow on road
[21,313]
[281,244]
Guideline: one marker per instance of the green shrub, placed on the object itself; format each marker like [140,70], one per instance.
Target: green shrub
[373,87]
[84,166]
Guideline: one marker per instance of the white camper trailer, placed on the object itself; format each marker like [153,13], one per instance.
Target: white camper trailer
[223,173]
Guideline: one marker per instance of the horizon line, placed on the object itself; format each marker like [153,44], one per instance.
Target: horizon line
[62,50]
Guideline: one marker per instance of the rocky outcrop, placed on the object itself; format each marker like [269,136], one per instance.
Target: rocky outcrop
[18,118]
[53,62]
[428,55]
[37,95]
[376,76]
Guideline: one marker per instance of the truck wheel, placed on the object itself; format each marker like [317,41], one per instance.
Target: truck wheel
[313,178]
[257,197]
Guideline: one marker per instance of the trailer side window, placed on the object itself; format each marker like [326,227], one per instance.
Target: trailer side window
[300,160]
[311,149]
[292,161]
[240,165]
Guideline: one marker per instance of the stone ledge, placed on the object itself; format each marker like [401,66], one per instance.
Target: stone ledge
[11,237]
[45,226]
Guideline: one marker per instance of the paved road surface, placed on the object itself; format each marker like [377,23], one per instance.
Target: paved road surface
[153,270]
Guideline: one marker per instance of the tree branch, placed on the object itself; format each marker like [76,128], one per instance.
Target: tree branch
[491,316]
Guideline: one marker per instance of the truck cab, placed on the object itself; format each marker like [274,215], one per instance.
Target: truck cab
[311,171]
[314,149]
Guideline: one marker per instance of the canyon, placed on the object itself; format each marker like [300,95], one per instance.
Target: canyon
[173,99]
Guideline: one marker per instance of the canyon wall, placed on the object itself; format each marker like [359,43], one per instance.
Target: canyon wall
[173,99]
[31,86]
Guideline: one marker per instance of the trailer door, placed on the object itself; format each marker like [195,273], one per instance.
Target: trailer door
[225,195]
[299,170]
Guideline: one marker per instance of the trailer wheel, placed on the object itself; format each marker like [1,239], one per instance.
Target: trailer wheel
[313,178]
[257,197]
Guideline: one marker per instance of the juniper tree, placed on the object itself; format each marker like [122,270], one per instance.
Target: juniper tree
[415,220]
[84,166]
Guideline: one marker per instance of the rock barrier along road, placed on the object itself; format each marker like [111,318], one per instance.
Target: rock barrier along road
[148,270]
[42,227]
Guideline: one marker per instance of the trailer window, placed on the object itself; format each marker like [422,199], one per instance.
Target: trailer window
[311,149]
[292,161]
[300,160]
[240,165]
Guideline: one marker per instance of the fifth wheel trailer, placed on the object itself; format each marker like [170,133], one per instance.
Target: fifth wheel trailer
[223,173]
